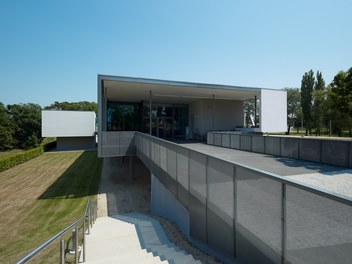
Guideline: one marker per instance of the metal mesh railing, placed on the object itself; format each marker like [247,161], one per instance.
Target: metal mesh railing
[249,214]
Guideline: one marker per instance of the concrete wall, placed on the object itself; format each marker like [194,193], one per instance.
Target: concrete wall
[75,143]
[227,115]
[273,111]
[336,152]
[68,123]
[238,210]
[166,205]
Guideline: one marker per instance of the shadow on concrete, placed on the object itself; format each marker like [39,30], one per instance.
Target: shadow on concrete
[125,194]
[311,166]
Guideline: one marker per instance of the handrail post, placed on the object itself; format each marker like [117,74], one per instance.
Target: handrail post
[76,245]
[74,249]
[62,251]
[84,240]
[92,216]
[89,220]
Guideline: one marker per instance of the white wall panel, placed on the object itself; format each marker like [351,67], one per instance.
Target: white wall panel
[68,123]
[273,111]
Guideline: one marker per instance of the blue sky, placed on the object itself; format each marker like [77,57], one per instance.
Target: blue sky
[53,50]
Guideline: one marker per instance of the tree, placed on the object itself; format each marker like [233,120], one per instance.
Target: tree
[307,86]
[341,97]
[294,110]
[6,129]
[319,99]
[6,139]
[251,112]
[74,106]
[341,88]
[27,118]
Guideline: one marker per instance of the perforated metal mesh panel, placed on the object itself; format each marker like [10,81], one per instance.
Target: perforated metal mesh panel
[319,230]
[198,176]
[225,140]
[259,212]
[163,158]
[220,205]
[171,163]
[182,169]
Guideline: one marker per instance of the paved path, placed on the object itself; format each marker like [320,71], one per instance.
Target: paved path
[332,178]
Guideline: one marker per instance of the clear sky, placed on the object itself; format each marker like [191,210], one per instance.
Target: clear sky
[53,50]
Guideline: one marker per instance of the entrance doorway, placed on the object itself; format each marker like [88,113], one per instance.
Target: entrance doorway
[164,127]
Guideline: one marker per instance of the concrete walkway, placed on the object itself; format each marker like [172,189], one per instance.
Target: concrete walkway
[331,178]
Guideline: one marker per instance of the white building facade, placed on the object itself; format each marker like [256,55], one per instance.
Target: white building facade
[74,130]
[179,110]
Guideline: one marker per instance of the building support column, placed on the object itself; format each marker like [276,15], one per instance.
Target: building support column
[150,112]
[131,167]
[255,110]
[213,112]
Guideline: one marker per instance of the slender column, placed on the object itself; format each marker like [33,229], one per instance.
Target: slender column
[150,112]
[255,110]
[131,168]
[76,245]
[62,251]
[84,240]
[213,111]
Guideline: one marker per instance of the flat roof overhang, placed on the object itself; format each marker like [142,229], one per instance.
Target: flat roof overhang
[128,89]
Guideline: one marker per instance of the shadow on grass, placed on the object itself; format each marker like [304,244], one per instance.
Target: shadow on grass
[81,179]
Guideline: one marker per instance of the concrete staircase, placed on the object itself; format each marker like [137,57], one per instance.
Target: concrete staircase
[132,238]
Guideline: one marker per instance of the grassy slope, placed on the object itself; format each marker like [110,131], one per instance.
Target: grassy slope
[42,196]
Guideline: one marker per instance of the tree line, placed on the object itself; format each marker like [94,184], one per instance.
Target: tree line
[20,124]
[318,107]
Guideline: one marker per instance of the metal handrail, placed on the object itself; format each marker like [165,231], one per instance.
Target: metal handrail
[86,216]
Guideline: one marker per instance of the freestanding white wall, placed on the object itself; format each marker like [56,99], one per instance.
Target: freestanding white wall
[68,123]
[273,111]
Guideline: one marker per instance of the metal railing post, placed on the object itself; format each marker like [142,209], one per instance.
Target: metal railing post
[90,216]
[74,248]
[84,240]
[88,219]
[62,251]
[76,245]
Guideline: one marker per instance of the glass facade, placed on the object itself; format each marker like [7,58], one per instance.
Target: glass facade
[123,116]
[168,120]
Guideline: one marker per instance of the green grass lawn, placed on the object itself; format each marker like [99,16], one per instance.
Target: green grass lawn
[42,196]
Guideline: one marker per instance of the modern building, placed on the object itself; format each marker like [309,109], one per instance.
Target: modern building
[74,130]
[181,109]
[242,205]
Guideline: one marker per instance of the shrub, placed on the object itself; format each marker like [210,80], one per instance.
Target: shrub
[18,158]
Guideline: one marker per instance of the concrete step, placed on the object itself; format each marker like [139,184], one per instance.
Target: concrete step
[114,241]
[132,238]
[153,238]
[127,259]
[164,247]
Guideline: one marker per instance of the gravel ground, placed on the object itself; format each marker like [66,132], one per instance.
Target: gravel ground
[119,194]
